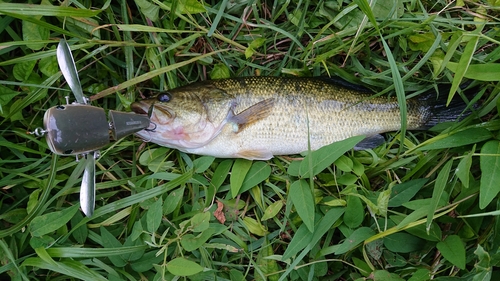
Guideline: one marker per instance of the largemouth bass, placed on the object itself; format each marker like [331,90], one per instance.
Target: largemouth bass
[259,117]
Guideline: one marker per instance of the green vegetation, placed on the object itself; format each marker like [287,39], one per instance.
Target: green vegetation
[422,206]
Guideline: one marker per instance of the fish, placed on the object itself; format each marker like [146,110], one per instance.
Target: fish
[260,117]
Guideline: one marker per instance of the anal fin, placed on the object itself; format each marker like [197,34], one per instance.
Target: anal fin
[370,142]
[256,154]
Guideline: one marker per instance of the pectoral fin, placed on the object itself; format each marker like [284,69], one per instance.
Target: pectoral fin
[252,114]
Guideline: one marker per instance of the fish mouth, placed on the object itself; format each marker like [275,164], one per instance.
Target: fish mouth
[138,108]
[145,108]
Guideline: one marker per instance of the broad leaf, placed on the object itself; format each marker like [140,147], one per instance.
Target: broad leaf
[272,210]
[254,226]
[300,240]
[153,216]
[221,173]
[303,238]
[359,235]
[344,163]
[354,213]
[173,199]
[490,169]
[146,262]
[267,265]
[402,193]
[238,174]
[452,249]
[23,70]
[200,222]
[420,275]
[34,32]
[403,243]
[6,95]
[383,275]
[325,156]
[463,169]
[202,164]
[258,173]
[303,200]
[148,8]
[50,222]
[110,241]
[439,186]
[190,7]
[220,71]
[155,159]
[191,242]
[81,233]
[183,267]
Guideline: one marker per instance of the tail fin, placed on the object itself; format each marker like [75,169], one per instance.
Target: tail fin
[457,110]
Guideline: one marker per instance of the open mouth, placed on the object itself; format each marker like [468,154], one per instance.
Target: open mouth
[138,108]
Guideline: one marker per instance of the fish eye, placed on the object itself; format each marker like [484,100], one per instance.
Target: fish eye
[164,97]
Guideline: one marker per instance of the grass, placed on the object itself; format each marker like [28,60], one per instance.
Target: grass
[422,206]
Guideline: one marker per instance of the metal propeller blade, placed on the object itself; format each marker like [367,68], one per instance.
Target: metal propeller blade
[68,68]
[87,190]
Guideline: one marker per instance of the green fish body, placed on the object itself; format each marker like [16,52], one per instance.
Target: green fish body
[259,117]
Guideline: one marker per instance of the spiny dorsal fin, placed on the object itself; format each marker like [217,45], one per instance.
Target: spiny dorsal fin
[345,84]
[252,114]
[211,94]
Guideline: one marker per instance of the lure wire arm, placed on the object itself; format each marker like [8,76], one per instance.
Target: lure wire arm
[38,132]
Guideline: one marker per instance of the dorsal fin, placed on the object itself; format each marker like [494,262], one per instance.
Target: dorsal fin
[345,84]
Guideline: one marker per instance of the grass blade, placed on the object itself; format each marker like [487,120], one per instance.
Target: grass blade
[490,169]
[40,206]
[480,72]
[464,63]
[69,268]
[440,185]
[46,10]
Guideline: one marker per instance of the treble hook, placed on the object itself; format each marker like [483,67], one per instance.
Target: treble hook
[153,129]
[149,132]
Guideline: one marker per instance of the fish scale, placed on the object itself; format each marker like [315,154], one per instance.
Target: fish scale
[259,117]
[329,109]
